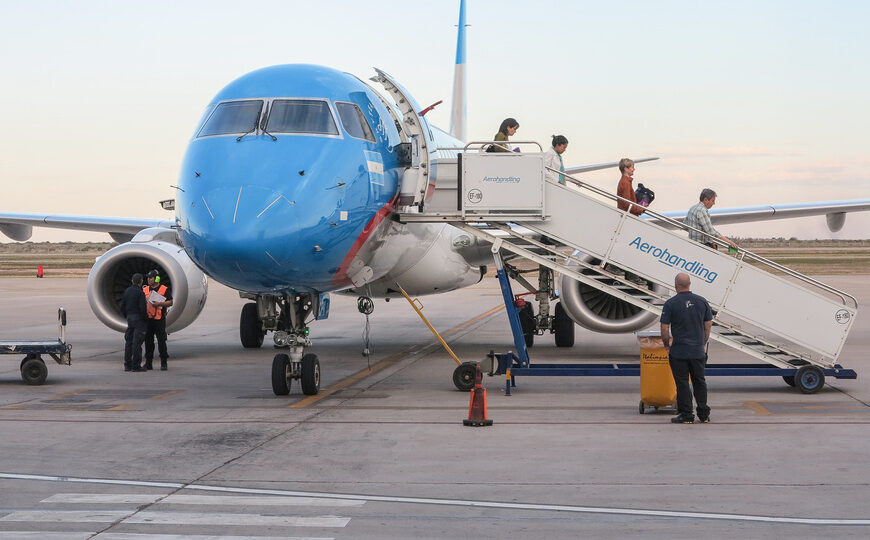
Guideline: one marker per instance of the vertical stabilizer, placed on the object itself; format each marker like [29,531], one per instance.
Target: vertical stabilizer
[457,115]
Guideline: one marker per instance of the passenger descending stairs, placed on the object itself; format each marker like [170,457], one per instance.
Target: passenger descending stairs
[581,234]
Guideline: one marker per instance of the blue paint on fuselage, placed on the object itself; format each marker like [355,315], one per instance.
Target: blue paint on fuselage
[263,215]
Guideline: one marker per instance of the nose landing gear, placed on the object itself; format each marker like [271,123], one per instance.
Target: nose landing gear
[285,316]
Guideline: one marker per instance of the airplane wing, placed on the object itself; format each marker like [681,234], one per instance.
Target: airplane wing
[20,226]
[599,166]
[835,211]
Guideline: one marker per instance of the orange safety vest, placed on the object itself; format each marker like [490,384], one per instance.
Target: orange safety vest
[154,312]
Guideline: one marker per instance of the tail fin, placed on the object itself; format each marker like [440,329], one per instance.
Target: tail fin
[457,115]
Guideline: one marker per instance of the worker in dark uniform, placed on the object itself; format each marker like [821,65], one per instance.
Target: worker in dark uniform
[688,318]
[159,299]
[134,308]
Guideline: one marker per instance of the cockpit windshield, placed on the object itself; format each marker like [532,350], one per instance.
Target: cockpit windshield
[301,116]
[353,121]
[233,117]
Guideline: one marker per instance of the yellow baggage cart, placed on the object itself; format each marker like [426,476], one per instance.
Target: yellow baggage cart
[657,387]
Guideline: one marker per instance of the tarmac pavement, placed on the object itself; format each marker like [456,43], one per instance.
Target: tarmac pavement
[205,450]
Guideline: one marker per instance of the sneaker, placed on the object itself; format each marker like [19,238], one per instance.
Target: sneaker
[704,420]
[679,419]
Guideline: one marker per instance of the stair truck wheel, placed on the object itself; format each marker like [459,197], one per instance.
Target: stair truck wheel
[809,379]
[463,376]
[33,371]
[310,374]
[563,327]
[789,379]
[281,374]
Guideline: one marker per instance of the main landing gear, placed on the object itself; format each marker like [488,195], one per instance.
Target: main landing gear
[559,323]
[285,317]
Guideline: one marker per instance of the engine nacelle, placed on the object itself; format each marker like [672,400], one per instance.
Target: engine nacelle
[598,311]
[150,249]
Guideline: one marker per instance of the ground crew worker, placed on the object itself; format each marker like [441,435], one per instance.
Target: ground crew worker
[134,308]
[156,326]
[688,318]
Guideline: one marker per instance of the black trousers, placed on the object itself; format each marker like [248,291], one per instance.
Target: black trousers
[156,328]
[133,338]
[681,369]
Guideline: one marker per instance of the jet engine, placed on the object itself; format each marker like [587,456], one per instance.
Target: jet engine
[600,312]
[150,249]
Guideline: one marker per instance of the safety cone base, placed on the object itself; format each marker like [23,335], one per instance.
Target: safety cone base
[477,405]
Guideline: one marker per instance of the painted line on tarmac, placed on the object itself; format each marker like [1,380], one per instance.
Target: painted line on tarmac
[148,517]
[387,362]
[455,502]
[209,500]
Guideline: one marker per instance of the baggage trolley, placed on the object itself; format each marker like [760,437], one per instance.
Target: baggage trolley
[657,387]
[33,368]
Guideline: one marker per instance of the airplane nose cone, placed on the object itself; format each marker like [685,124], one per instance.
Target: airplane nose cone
[243,235]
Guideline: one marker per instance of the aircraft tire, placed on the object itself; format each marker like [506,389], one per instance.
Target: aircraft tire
[281,374]
[250,331]
[33,371]
[527,323]
[310,375]
[563,327]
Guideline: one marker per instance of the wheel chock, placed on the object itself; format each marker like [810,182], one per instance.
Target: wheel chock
[477,405]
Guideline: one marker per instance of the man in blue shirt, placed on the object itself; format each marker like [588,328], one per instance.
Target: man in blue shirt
[688,318]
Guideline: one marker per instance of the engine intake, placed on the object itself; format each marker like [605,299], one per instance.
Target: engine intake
[600,312]
[150,249]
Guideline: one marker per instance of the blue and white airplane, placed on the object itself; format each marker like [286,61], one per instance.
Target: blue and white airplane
[289,190]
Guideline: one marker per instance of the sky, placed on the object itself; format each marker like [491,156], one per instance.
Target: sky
[763,101]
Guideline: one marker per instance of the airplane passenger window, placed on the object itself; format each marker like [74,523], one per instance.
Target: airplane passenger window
[232,117]
[353,121]
[301,116]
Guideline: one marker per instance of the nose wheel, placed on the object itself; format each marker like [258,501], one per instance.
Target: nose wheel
[284,370]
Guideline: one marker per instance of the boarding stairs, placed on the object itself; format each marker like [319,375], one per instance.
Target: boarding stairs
[761,308]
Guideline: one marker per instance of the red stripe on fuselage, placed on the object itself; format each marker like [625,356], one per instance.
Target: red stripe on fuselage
[341,277]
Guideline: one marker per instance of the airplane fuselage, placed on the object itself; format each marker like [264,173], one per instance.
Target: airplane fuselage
[290,174]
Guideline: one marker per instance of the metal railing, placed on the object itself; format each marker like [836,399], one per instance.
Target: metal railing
[745,253]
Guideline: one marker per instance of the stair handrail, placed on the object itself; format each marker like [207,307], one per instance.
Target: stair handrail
[681,225]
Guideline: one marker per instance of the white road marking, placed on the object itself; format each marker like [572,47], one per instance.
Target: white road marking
[43,535]
[172,518]
[456,502]
[134,536]
[66,516]
[79,535]
[215,500]
[251,520]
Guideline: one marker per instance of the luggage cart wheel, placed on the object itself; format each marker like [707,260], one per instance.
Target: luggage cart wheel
[641,408]
[809,379]
[33,371]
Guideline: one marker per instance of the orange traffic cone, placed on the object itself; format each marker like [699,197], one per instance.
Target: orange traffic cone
[477,406]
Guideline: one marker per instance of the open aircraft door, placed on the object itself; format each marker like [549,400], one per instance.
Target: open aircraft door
[415,180]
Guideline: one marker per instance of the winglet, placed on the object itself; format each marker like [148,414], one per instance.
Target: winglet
[457,115]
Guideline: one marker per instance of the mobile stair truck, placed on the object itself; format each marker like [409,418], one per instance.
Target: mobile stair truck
[793,324]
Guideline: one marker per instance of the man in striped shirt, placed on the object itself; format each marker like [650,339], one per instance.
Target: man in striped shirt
[699,218]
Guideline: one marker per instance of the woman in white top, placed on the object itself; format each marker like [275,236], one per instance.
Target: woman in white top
[553,158]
